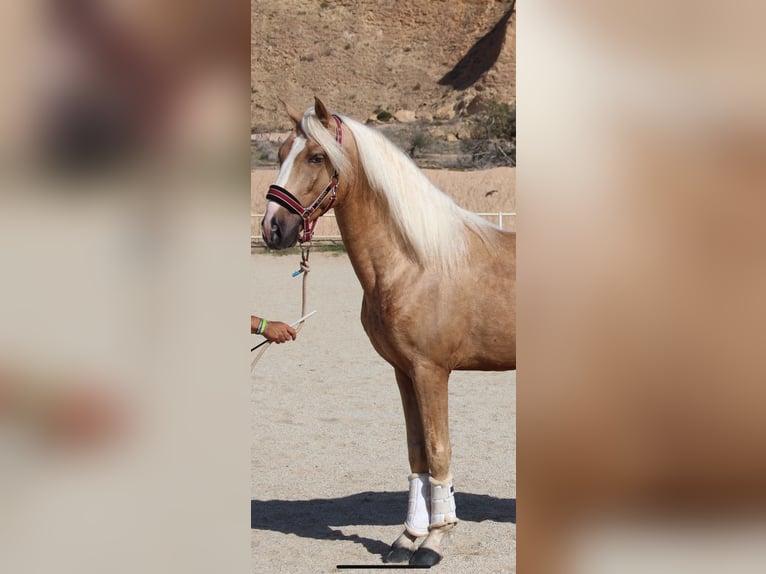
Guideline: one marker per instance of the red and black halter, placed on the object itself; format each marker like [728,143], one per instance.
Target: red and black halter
[287,200]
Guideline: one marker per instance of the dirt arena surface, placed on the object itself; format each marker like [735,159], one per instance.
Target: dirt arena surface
[329,456]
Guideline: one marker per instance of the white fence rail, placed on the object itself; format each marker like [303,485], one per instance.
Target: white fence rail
[503,219]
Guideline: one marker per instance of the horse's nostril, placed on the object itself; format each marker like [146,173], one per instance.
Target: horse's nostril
[276,232]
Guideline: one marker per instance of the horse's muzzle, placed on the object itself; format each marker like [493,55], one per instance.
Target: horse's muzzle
[280,232]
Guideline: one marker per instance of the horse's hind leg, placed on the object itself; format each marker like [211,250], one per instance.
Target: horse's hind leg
[418,512]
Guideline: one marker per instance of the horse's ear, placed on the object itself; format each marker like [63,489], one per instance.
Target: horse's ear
[321,112]
[294,114]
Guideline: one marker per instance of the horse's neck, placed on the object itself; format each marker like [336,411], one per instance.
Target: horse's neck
[368,233]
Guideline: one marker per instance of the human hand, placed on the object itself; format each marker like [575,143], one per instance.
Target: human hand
[278,332]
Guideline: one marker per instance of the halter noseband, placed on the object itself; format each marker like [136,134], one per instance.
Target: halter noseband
[287,200]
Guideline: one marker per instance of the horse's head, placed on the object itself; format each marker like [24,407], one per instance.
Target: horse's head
[306,185]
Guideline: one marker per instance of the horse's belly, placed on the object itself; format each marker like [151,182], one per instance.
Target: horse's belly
[478,353]
[488,363]
[486,352]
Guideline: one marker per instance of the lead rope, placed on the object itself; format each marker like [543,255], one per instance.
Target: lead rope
[304,269]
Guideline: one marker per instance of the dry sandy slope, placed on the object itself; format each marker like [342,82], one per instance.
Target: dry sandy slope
[329,459]
[359,55]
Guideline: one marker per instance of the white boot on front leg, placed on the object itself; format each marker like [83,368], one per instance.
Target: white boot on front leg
[417,522]
[419,505]
[443,520]
[443,511]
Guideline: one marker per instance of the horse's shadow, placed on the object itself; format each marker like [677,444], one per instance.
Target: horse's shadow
[322,518]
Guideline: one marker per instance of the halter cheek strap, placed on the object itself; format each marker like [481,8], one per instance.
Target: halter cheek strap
[287,200]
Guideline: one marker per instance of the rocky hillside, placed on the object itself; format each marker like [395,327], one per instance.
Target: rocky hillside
[418,60]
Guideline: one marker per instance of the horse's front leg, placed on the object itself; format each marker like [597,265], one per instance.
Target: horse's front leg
[430,383]
[418,508]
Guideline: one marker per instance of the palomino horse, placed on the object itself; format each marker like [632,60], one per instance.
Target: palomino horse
[438,285]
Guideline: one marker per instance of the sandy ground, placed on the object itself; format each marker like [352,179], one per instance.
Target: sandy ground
[329,458]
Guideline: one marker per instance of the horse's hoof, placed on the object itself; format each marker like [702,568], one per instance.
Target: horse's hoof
[398,555]
[425,557]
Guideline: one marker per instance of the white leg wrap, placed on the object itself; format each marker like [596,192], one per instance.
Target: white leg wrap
[419,505]
[442,503]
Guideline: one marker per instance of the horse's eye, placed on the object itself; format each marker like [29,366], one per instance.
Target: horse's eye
[316,158]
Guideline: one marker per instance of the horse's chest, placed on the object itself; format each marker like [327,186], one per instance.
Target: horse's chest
[379,322]
[374,318]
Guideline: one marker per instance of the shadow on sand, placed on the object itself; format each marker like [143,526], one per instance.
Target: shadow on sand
[322,518]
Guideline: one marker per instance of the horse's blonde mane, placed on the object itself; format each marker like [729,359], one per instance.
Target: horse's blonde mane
[428,221]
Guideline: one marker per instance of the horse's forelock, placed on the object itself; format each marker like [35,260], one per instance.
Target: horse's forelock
[315,130]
